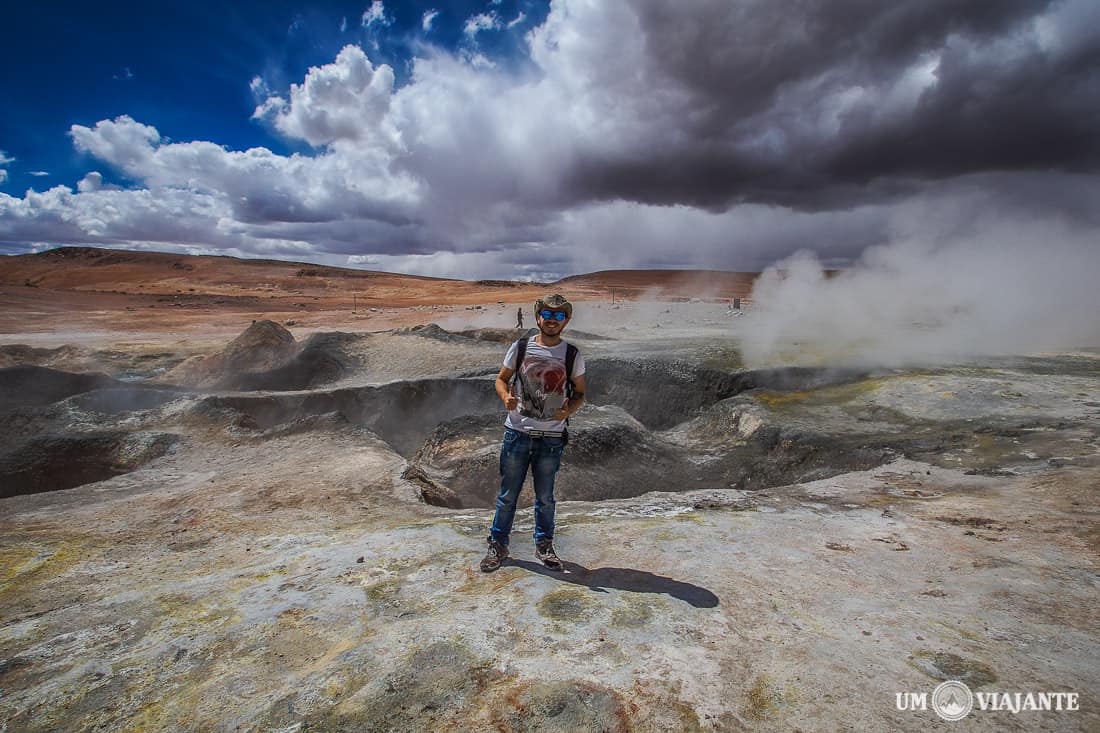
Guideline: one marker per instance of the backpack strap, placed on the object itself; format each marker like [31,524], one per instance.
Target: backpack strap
[570,359]
[521,351]
[570,388]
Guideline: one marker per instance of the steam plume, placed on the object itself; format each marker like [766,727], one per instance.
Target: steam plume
[1017,290]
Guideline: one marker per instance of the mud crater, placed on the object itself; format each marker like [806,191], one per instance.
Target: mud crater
[651,422]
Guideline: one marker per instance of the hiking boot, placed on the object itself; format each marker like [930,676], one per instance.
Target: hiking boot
[544,550]
[494,556]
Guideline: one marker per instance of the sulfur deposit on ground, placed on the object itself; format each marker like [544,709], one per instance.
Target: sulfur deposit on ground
[280,532]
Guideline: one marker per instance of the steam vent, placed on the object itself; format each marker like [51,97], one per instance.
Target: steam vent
[278,528]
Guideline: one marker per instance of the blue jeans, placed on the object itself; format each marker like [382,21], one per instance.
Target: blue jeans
[518,452]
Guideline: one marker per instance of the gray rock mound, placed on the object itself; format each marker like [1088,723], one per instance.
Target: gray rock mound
[323,358]
[116,363]
[497,335]
[432,331]
[508,335]
[16,354]
[263,346]
[267,357]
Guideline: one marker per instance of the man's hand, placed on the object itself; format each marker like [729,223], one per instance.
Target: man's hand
[575,402]
[504,392]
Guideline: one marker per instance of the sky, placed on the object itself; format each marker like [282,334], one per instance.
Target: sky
[532,140]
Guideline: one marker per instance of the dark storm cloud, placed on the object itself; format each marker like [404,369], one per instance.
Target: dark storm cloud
[271,206]
[807,107]
[716,178]
[1033,112]
[712,133]
[737,56]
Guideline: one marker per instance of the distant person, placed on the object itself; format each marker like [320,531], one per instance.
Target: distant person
[548,388]
[519,317]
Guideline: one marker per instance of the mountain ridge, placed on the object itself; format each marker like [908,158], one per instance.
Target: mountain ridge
[89,267]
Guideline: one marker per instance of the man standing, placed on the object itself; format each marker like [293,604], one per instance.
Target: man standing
[549,387]
[519,317]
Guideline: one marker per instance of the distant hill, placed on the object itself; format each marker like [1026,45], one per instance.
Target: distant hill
[76,292]
[91,269]
[665,283]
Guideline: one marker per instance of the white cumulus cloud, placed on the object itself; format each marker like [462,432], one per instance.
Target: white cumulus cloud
[259,88]
[375,14]
[630,134]
[345,100]
[481,22]
[92,181]
[122,141]
[5,160]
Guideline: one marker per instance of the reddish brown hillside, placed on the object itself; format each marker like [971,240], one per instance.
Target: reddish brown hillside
[666,283]
[90,269]
[84,287]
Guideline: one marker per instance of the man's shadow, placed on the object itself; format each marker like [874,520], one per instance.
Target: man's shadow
[635,581]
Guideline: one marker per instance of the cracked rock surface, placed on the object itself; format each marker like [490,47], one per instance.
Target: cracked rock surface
[744,550]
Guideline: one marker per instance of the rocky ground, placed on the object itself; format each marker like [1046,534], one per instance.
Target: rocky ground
[279,530]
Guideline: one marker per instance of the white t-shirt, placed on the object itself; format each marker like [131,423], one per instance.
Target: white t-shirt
[540,387]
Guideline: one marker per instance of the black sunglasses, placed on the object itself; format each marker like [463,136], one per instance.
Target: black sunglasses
[556,315]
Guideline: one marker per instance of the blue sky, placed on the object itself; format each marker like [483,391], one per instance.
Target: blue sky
[187,69]
[534,140]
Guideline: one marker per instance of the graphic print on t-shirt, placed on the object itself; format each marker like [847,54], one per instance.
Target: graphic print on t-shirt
[542,387]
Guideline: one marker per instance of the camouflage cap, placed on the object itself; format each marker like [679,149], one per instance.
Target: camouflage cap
[556,302]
